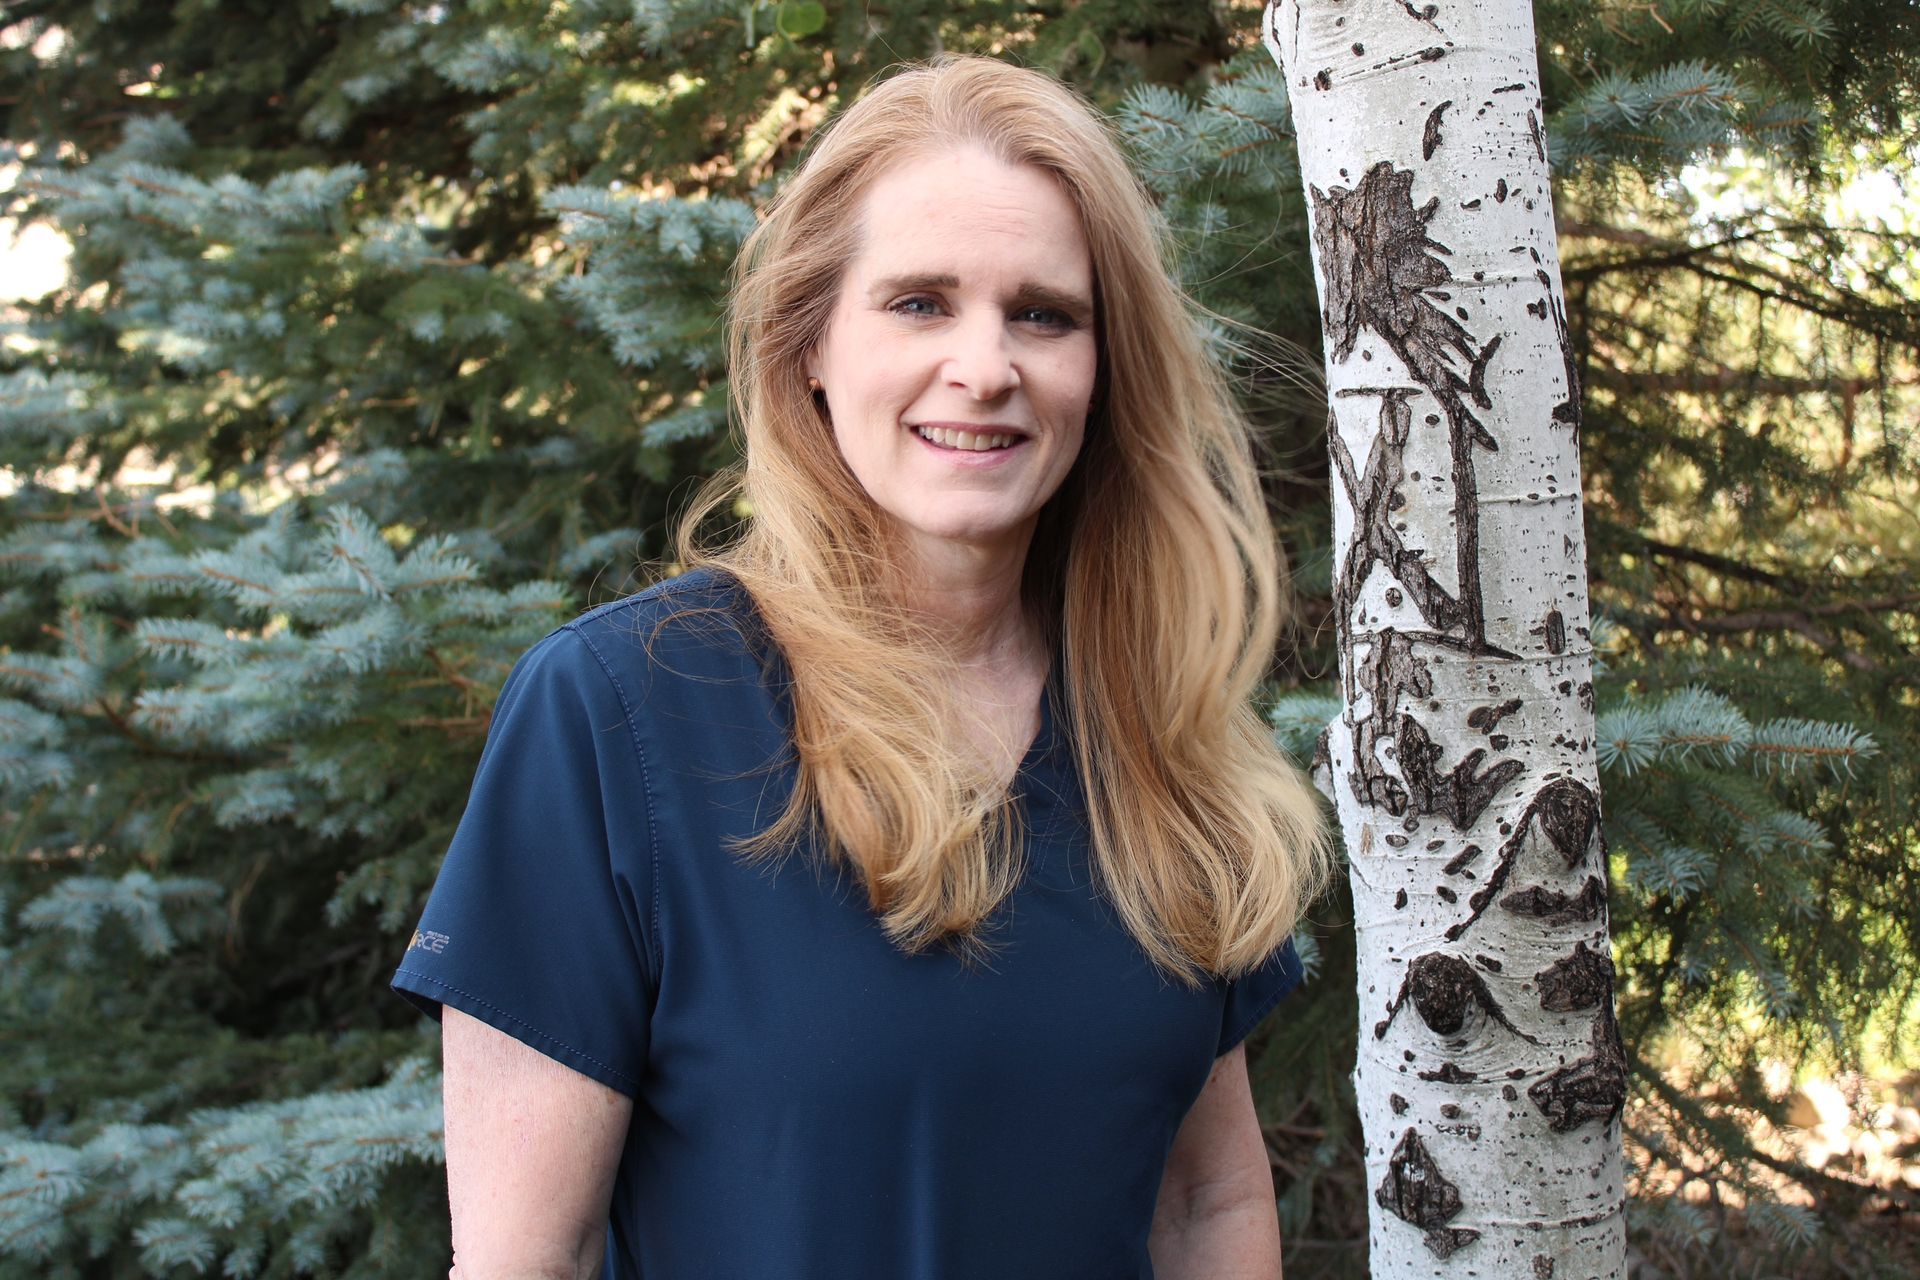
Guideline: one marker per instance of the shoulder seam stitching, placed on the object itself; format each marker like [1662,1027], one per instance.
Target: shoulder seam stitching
[646,780]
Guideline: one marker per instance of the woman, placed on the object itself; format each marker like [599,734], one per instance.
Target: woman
[981,657]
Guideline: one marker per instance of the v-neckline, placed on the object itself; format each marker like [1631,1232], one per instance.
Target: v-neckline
[1037,745]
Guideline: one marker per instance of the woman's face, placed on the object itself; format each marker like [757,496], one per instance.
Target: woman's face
[960,358]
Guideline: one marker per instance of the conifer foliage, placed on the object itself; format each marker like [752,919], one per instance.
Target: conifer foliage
[391,341]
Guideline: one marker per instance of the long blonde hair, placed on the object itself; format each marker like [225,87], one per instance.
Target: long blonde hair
[1154,568]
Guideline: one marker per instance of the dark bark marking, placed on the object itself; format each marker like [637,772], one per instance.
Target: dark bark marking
[1460,795]
[1508,1092]
[1556,632]
[1398,1103]
[1542,1267]
[1579,981]
[1378,262]
[1462,860]
[1500,191]
[1323,79]
[1359,50]
[1418,1193]
[1390,676]
[1432,55]
[1486,719]
[1567,815]
[1488,963]
[1449,1074]
[1397,841]
[1400,900]
[1443,988]
[1539,142]
[1594,1088]
[1414,1190]
[1509,88]
[1374,496]
[1567,412]
[1447,1241]
[1450,1110]
[1446,893]
[1556,907]
[1423,13]
[1430,136]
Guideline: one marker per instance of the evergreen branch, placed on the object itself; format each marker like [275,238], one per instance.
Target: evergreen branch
[1682,253]
[1730,380]
[465,683]
[148,746]
[1787,742]
[1793,296]
[1254,145]
[243,582]
[1278,133]
[35,184]
[1720,564]
[1798,621]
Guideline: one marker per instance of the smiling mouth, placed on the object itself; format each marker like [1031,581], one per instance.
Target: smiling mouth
[968,441]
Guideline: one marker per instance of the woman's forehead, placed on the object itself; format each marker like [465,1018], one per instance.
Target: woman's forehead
[966,213]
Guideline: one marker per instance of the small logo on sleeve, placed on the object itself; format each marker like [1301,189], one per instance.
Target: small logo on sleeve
[428,940]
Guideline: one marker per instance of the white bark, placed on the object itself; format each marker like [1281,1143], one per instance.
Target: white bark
[1490,1076]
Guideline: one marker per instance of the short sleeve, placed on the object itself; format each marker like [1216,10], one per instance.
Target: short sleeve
[1251,997]
[537,924]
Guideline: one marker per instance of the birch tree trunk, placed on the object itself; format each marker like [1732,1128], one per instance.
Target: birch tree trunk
[1490,1075]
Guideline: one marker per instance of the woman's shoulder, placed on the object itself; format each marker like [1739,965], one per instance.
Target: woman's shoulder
[701,624]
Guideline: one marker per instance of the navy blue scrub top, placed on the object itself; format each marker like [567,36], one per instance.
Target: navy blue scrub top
[810,1103]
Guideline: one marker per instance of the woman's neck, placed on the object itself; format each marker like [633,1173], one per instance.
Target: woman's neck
[970,596]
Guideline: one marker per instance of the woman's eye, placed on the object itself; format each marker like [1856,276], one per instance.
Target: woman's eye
[1045,317]
[916,306]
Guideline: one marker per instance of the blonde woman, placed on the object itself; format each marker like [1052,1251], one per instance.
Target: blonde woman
[888,896]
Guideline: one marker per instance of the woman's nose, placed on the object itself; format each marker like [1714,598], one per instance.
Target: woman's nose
[981,360]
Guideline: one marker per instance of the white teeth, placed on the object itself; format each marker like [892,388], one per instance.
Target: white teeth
[972,441]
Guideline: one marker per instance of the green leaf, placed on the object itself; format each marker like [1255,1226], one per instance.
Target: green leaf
[800,20]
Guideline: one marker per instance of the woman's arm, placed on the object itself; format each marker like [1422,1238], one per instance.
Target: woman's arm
[1215,1218]
[532,1147]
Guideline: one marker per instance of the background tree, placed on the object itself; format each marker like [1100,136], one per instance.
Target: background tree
[1462,761]
[390,340]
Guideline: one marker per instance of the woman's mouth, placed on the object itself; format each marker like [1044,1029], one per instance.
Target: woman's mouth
[967,441]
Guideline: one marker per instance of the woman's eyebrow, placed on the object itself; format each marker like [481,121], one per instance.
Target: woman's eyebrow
[1074,304]
[908,283]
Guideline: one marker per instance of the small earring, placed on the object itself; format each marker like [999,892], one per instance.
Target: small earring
[813,385]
